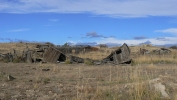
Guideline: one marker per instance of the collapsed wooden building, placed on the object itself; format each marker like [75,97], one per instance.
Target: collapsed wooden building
[53,55]
[77,49]
[119,56]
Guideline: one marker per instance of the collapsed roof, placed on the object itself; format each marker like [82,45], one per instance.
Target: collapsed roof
[54,55]
[119,56]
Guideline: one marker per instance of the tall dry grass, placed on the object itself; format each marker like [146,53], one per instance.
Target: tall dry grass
[107,82]
[95,55]
[19,47]
[156,59]
[113,83]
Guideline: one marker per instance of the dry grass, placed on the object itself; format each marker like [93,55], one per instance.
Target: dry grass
[83,82]
[156,59]
[96,55]
[8,47]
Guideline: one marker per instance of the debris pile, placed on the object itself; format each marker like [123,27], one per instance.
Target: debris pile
[144,51]
[161,51]
[119,56]
[52,54]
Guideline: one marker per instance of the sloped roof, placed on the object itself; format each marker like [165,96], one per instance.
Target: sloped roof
[121,55]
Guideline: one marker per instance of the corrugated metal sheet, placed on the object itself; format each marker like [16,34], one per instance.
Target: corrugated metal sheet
[120,56]
[53,55]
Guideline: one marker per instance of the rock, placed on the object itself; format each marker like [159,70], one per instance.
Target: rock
[159,87]
[30,80]
[34,68]
[45,69]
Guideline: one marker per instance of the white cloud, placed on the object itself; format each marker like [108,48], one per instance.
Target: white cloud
[19,30]
[170,30]
[115,41]
[113,8]
[154,41]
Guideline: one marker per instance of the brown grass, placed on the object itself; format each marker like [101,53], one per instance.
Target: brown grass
[19,47]
[83,82]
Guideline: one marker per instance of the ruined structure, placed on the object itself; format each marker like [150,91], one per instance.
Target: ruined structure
[6,57]
[103,46]
[77,49]
[54,55]
[161,51]
[71,50]
[42,48]
[144,51]
[119,56]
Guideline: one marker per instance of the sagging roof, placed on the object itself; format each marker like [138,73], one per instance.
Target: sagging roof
[54,55]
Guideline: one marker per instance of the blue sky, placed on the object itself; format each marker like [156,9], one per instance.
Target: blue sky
[91,22]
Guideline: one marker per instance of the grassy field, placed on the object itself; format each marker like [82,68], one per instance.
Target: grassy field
[149,77]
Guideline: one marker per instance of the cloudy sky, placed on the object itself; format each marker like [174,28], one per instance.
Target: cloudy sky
[91,22]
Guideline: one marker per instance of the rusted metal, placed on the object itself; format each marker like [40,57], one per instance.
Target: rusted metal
[90,48]
[119,56]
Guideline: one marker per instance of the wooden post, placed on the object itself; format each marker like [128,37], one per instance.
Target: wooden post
[29,58]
